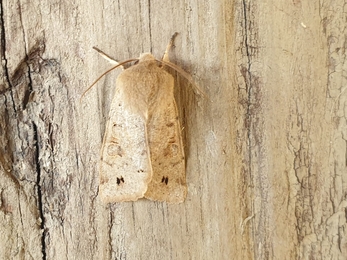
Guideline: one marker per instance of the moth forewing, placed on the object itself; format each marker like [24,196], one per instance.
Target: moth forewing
[125,167]
[167,155]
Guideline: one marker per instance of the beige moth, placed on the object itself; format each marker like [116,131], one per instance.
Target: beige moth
[142,153]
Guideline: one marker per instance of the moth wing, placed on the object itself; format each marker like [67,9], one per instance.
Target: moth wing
[167,155]
[125,167]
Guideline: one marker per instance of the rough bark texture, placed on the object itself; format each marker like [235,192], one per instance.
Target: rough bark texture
[266,151]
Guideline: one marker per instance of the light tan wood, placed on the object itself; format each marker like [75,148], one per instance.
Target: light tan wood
[266,151]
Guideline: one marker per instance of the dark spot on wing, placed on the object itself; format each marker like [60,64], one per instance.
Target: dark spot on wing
[120,180]
[165,180]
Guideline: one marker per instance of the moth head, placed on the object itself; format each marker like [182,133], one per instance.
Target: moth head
[146,57]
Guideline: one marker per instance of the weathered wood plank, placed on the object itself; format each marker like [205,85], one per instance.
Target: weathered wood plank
[265,151]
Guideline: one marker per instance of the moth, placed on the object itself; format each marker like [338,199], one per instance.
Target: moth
[142,154]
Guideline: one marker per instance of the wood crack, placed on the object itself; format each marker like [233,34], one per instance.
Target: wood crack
[39,190]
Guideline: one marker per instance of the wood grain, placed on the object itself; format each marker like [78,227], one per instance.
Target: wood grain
[266,151]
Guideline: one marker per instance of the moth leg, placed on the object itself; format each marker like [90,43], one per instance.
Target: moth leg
[166,53]
[107,57]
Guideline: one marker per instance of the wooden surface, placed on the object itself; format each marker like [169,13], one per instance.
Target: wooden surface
[266,151]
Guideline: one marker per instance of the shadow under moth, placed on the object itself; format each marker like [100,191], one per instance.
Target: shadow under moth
[142,153]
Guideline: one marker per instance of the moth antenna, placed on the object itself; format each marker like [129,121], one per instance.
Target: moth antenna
[106,57]
[185,75]
[103,74]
